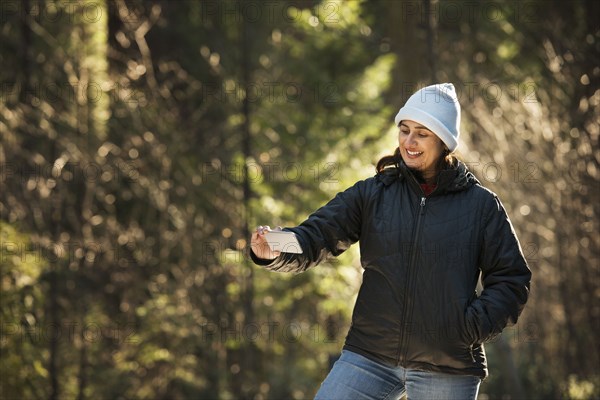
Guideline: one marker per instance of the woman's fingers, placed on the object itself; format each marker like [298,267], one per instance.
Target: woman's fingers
[260,247]
[263,229]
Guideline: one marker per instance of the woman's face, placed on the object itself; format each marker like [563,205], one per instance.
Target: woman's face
[420,148]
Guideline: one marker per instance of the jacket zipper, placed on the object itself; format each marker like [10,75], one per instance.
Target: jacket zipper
[407,305]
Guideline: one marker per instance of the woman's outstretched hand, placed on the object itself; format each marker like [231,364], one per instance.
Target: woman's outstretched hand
[259,244]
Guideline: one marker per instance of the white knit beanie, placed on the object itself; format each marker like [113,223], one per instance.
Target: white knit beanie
[437,108]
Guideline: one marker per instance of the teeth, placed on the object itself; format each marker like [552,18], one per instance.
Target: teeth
[414,153]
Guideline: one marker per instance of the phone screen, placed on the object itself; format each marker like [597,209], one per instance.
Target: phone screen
[283,241]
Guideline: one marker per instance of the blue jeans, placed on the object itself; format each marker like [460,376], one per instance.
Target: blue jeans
[356,377]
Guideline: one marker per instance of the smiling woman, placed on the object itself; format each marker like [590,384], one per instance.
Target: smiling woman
[427,230]
[429,126]
[420,148]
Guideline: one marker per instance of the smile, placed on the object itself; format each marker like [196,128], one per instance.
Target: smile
[414,153]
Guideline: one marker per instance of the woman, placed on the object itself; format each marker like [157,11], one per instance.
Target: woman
[427,229]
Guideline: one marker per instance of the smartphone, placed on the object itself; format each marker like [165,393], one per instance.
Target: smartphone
[283,241]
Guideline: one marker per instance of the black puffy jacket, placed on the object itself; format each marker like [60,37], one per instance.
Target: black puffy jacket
[422,256]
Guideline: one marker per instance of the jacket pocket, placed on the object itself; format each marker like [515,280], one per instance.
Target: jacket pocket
[468,331]
[455,344]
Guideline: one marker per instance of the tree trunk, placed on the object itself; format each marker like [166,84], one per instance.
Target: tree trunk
[24,54]
[54,321]
[404,26]
[431,24]
[249,356]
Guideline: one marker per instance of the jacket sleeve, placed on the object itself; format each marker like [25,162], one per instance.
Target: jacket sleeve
[327,232]
[505,277]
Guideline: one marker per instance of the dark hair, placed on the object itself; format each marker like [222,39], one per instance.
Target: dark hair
[386,161]
[445,161]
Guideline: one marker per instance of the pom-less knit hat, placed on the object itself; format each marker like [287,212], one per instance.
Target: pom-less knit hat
[437,108]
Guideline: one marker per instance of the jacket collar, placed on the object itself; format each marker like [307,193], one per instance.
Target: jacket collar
[454,179]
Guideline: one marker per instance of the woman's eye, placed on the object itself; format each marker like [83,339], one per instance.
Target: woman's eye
[423,135]
[404,132]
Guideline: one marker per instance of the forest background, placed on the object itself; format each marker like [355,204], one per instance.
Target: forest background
[142,141]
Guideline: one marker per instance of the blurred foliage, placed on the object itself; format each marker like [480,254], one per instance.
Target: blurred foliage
[142,140]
